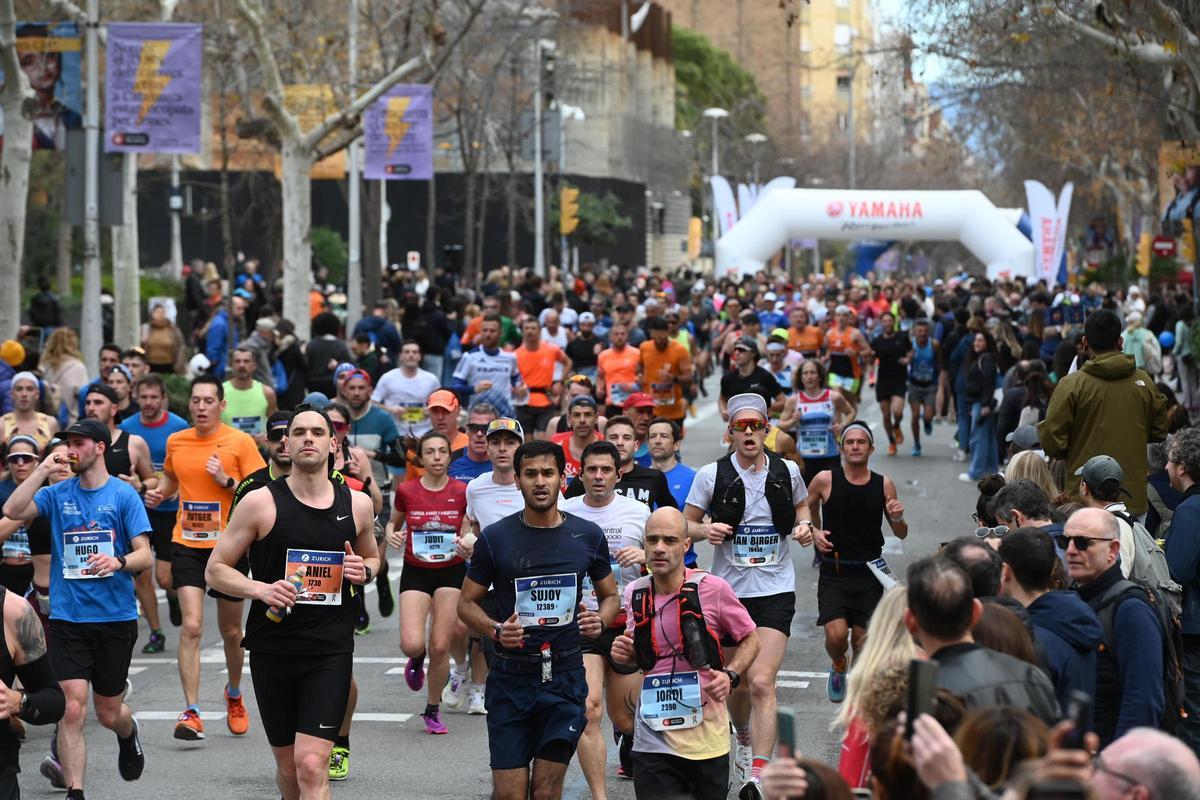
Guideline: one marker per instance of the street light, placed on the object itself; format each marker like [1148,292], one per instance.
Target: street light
[716,115]
[566,112]
[754,140]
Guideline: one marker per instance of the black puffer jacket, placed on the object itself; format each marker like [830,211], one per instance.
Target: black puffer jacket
[983,677]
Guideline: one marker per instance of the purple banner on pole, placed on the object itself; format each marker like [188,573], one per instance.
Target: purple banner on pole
[153,76]
[398,134]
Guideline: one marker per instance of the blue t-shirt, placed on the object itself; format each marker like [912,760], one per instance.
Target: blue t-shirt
[109,517]
[156,439]
[499,367]
[374,430]
[679,480]
[546,566]
[465,469]
[641,456]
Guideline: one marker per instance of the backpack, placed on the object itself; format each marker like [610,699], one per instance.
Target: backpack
[1165,513]
[689,611]
[1169,627]
[1150,566]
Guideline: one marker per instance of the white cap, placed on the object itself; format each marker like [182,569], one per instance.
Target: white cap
[199,364]
[842,309]
[698,287]
[770,296]
[587,316]
[748,400]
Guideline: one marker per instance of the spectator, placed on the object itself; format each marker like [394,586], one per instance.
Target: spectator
[1107,406]
[1150,760]
[995,741]
[1031,465]
[981,563]
[787,778]
[940,616]
[1024,504]
[1068,631]
[293,366]
[12,357]
[981,371]
[216,338]
[1129,683]
[1185,354]
[1161,496]
[62,366]
[262,344]
[1183,557]
[380,328]
[1000,629]
[1101,487]
[44,309]
[324,351]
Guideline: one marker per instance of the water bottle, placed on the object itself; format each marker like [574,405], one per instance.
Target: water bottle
[295,579]
[693,642]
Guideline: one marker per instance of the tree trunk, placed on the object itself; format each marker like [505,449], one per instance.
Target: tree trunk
[468,251]
[297,234]
[126,288]
[65,253]
[431,225]
[370,244]
[510,216]
[484,198]
[14,172]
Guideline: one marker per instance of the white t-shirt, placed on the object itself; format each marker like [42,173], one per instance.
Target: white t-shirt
[396,390]
[488,501]
[759,581]
[624,524]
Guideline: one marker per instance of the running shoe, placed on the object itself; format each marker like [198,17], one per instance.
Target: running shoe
[625,754]
[235,714]
[362,625]
[929,427]
[476,703]
[174,611]
[455,692]
[414,673]
[916,451]
[835,686]
[743,760]
[750,791]
[52,771]
[157,643]
[387,600]
[189,727]
[433,724]
[891,448]
[965,477]
[899,436]
[339,763]
[130,758]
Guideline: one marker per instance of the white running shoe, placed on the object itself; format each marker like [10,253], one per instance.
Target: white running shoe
[454,694]
[476,703]
[743,761]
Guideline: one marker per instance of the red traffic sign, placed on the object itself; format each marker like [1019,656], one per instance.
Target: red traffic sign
[1163,246]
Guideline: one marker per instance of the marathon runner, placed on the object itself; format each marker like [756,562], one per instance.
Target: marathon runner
[311,530]
[39,549]
[577,386]
[99,529]
[248,402]
[617,370]
[923,357]
[757,502]
[852,501]
[582,418]
[129,456]
[639,407]
[644,484]
[16,560]
[538,360]
[804,337]
[154,423]
[474,459]
[204,464]
[665,372]
[891,378]
[402,391]
[25,418]
[433,509]
[537,690]
[623,521]
[846,348]
[692,759]
[488,373]
[747,376]
[821,413]
[120,380]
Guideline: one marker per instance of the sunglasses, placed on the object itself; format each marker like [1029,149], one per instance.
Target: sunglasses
[580,379]
[748,425]
[742,350]
[21,458]
[276,435]
[984,532]
[477,427]
[340,426]
[1081,542]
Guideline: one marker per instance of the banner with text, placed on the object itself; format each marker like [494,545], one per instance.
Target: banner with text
[153,78]
[49,53]
[398,134]
[1048,224]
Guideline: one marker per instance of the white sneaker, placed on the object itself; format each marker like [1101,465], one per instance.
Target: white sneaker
[959,456]
[965,478]
[454,694]
[476,703]
[743,761]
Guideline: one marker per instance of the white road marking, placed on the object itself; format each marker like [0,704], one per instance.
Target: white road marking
[173,716]
[791,684]
[784,673]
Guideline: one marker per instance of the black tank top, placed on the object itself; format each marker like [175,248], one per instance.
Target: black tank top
[853,515]
[311,628]
[116,456]
[10,745]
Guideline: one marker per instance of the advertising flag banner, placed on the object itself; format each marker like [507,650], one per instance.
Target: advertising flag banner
[153,77]
[50,54]
[1048,223]
[398,134]
[723,203]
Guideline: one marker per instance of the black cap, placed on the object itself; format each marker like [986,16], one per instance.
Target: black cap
[104,389]
[92,429]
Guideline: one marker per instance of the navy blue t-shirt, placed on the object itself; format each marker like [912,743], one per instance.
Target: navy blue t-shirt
[544,567]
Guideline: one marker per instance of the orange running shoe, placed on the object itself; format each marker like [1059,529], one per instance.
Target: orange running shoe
[235,714]
[892,449]
[189,726]
[899,436]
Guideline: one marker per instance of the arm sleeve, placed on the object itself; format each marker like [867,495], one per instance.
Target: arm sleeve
[1139,664]
[45,697]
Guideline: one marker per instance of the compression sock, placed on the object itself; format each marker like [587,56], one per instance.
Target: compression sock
[75,794]
[431,709]
[342,741]
[743,735]
[756,768]
[233,693]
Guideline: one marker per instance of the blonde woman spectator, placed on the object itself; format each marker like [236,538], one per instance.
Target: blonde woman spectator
[889,644]
[62,366]
[1030,465]
[163,342]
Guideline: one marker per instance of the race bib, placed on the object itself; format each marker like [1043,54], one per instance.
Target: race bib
[671,702]
[588,589]
[433,546]
[413,414]
[619,395]
[755,546]
[842,382]
[882,572]
[322,575]
[250,425]
[664,393]
[814,439]
[78,546]
[547,601]
[17,545]
[201,522]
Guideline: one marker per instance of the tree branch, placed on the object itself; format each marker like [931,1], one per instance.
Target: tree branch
[78,16]
[287,123]
[1147,52]
[347,114]
[17,86]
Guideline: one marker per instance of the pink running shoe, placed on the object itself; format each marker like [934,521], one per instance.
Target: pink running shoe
[433,724]
[414,674]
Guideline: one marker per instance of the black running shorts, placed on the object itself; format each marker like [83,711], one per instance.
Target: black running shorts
[299,693]
[421,579]
[97,652]
[602,646]
[187,569]
[850,593]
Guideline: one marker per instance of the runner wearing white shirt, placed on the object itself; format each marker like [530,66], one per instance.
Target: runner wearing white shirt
[758,504]
[624,524]
[402,391]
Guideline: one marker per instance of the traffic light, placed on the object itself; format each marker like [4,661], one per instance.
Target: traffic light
[1144,254]
[546,50]
[568,214]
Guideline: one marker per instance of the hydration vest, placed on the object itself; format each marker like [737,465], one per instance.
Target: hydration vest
[729,494]
[690,614]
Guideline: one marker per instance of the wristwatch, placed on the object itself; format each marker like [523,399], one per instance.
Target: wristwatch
[230,482]
[369,573]
[122,560]
[734,679]
[496,630]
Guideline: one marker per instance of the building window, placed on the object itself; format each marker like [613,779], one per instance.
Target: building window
[842,3]
[842,36]
[805,46]
[806,90]
[843,84]
[843,120]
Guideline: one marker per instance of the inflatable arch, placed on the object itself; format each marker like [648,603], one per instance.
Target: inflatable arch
[964,216]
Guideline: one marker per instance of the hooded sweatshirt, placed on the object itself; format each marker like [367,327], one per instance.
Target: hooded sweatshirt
[1069,633]
[1108,407]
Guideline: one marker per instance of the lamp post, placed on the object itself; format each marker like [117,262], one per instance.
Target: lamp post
[754,140]
[567,112]
[716,115]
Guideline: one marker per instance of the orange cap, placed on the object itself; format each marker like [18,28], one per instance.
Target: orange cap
[443,398]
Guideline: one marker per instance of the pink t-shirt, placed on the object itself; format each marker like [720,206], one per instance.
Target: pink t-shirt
[727,617]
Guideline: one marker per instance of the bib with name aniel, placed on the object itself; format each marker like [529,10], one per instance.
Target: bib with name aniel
[200,521]
[322,575]
[547,601]
[755,546]
[671,702]
[79,546]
